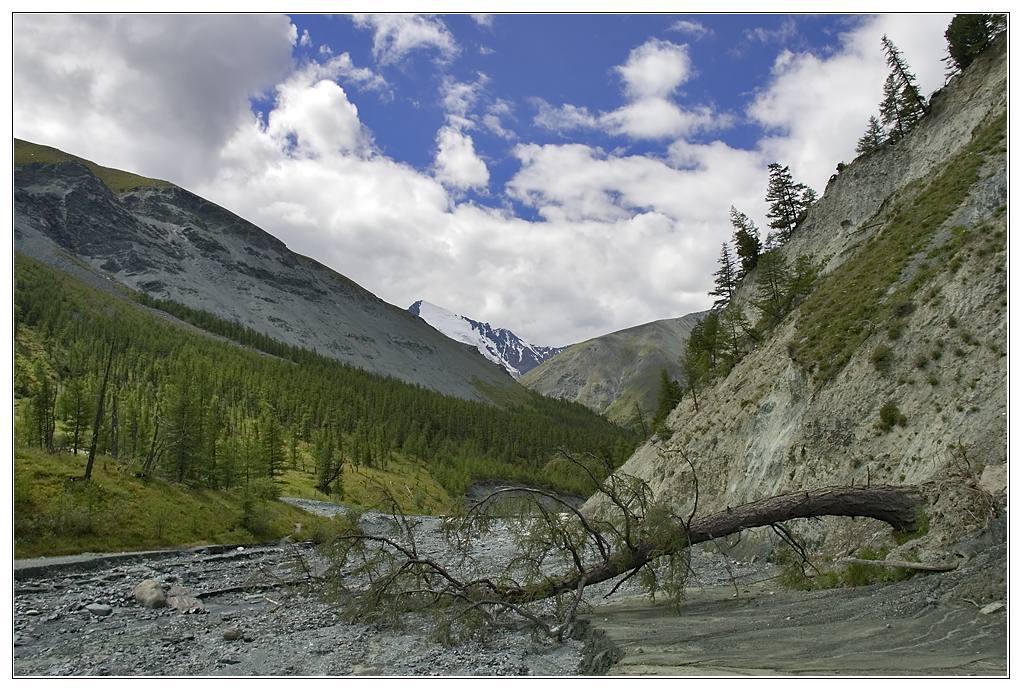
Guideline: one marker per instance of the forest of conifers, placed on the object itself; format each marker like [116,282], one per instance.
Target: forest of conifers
[194,408]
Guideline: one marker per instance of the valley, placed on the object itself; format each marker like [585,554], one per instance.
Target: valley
[229,459]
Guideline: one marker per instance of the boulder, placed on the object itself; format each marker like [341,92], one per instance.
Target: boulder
[233,633]
[150,594]
[183,600]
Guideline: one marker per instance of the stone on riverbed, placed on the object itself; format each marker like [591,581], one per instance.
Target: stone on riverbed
[183,600]
[99,609]
[150,594]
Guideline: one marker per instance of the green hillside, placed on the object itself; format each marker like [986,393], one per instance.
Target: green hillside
[185,406]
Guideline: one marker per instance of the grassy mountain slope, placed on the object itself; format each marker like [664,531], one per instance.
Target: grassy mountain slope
[112,228]
[618,372]
[894,368]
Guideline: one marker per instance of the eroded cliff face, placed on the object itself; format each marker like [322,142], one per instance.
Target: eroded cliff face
[775,423]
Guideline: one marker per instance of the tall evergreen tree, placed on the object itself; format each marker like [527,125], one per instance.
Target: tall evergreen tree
[271,438]
[789,200]
[892,115]
[76,410]
[747,241]
[725,278]
[872,139]
[911,102]
[969,35]
[668,398]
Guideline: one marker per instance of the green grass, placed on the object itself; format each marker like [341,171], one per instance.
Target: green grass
[411,485]
[117,512]
[853,300]
[793,577]
[26,153]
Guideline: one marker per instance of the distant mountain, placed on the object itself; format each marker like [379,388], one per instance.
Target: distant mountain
[501,346]
[112,228]
[617,373]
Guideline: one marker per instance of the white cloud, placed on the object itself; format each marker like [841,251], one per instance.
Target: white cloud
[457,164]
[144,92]
[486,20]
[397,35]
[659,118]
[306,39]
[620,239]
[655,69]
[811,127]
[783,33]
[459,98]
[652,72]
[563,118]
[690,28]
[318,114]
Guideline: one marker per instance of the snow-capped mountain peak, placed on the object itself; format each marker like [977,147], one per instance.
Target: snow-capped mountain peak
[501,346]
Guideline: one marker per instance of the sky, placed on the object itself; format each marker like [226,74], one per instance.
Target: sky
[562,176]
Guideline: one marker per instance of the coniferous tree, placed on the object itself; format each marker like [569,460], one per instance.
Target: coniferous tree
[789,201]
[271,441]
[910,102]
[43,408]
[969,35]
[737,331]
[668,398]
[772,281]
[873,138]
[725,278]
[747,241]
[76,410]
[891,111]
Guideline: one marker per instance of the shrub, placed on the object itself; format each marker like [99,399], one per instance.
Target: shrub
[891,416]
[882,358]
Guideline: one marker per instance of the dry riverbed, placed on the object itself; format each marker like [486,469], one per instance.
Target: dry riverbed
[77,616]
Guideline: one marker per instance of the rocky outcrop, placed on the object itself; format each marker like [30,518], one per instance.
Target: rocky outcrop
[773,424]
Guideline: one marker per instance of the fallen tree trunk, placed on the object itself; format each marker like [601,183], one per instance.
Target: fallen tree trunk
[899,564]
[384,575]
[897,506]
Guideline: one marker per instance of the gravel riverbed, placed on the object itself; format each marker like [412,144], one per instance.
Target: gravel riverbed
[77,616]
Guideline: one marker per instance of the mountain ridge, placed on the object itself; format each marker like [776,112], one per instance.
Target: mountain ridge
[617,374]
[496,344]
[160,239]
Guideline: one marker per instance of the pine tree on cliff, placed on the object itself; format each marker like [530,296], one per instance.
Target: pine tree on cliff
[910,102]
[669,397]
[725,278]
[872,139]
[789,201]
[892,116]
[747,241]
[968,36]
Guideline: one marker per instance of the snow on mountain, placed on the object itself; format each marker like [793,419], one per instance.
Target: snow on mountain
[501,346]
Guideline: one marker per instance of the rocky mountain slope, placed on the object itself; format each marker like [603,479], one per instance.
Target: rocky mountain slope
[112,228]
[894,369]
[496,344]
[618,372]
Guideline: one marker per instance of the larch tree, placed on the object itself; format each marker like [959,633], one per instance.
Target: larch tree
[908,104]
[788,201]
[969,35]
[725,278]
[873,138]
[747,241]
